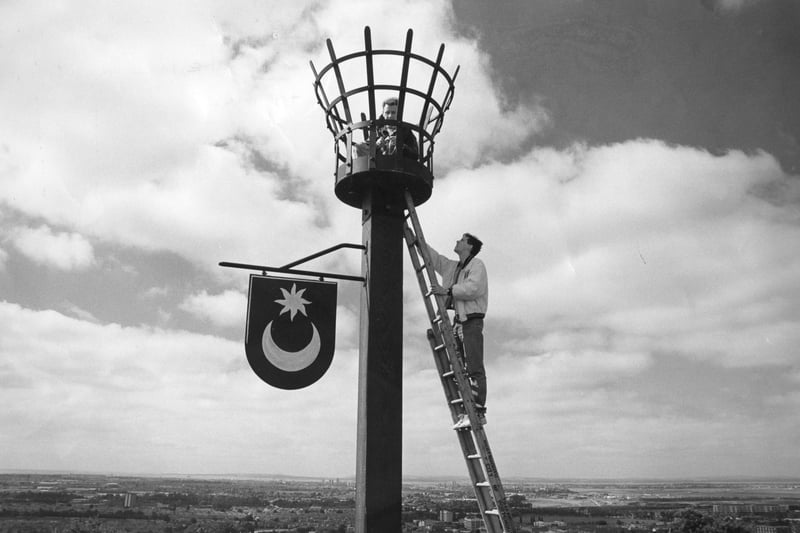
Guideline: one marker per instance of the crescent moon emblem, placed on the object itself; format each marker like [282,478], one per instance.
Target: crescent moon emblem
[290,361]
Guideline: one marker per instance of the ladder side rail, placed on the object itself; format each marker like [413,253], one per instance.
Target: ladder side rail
[416,242]
[465,439]
[419,268]
[451,392]
[422,245]
[493,476]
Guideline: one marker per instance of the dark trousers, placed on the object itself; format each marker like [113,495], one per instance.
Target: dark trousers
[469,336]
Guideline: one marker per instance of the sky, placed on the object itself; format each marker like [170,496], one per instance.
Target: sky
[632,167]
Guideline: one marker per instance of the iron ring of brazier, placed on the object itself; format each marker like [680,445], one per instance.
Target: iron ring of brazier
[361,167]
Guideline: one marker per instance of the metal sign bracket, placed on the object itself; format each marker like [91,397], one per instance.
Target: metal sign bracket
[287,268]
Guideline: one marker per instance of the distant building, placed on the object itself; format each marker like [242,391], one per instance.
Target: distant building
[445,515]
[747,508]
[130,500]
[764,528]
[473,524]
[555,523]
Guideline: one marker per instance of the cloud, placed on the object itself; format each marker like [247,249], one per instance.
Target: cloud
[105,397]
[728,6]
[611,265]
[194,135]
[225,309]
[642,241]
[66,251]
[79,313]
[155,292]
[161,97]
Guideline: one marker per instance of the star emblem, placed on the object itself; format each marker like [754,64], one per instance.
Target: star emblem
[293,302]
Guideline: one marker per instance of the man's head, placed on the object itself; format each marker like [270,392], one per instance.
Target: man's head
[390,108]
[468,245]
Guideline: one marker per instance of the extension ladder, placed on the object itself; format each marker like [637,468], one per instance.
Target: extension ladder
[455,381]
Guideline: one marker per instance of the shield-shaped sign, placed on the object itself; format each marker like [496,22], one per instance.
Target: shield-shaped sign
[291,330]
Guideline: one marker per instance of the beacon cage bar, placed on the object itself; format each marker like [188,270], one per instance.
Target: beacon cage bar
[361,81]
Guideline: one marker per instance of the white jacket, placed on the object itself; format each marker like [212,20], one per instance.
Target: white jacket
[470,290]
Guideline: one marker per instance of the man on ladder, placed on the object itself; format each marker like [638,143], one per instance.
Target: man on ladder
[466,286]
[458,353]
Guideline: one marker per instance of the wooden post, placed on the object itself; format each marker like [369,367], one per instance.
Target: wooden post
[380,380]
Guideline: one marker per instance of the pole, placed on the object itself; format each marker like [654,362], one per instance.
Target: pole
[380,380]
[376,183]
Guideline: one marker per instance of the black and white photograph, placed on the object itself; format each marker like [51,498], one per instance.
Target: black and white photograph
[521,266]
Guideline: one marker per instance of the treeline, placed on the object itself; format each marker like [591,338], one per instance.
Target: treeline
[127,514]
[695,522]
[325,503]
[226,502]
[172,500]
[41,497]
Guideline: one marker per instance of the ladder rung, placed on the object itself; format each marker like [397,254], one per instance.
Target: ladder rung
[456,401]
[437,319]
[483,484]
[448,374]
[474,456]
[439,347]
[494,512]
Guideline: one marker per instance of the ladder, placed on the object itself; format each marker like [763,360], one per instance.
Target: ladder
[457,390]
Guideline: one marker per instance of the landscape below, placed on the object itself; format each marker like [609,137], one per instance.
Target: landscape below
[34,502]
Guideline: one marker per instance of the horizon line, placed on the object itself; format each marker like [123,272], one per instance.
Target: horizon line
[411,477]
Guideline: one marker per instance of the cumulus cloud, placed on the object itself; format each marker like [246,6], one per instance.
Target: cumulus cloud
[609,263]
[105,164]
[169,384]
[641,238]
[66,251]
[728,6]
[155,292]
[196,134]
[78,312]
[225,309]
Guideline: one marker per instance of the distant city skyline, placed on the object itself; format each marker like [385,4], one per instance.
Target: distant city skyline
[631,166]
